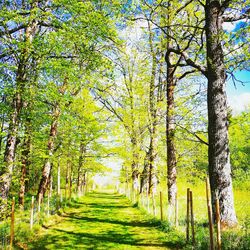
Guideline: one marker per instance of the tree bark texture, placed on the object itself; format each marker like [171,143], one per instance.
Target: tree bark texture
[218,150]
[58,178]
[47,166]
[170,120]
[152,182]
[145,174]
[84,183]
[134,165]
[152,178]
[80,165]
[2,123]
[17,104]
[9,154]
[70,178]
[25,161]
[149,175]
[170,136]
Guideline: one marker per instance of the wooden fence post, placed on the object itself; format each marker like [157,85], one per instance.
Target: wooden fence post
[161,205]
[192,216]
[187,218]
[176,211]
[218,224]
[12,225]
[210,218]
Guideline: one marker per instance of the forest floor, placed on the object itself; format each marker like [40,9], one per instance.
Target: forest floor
[103,221]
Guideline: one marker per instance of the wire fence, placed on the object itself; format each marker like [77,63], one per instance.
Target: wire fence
[156,206]
[28,220]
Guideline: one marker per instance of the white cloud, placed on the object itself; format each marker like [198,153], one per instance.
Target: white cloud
[134,33]
[229,26]
[240,102]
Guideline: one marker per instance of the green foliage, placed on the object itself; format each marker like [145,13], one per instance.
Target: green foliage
[239,131]
[85,61]
[24,234]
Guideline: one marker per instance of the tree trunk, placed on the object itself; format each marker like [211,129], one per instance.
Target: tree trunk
[80,164]
[47,166]
[9,155]
[84,183]
[218,150]
[67,181]
[145,173]
[25,164]
[58,178]
[170,120]
[152,180]
[170,136]
[70,179]
[2,123]
[134,166]
[17,104]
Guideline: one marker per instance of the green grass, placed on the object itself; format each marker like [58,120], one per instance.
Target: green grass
[241,200]
[237,238]
[111,221]
[106,221]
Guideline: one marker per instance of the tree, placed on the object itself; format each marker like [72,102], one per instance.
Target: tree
[33,34]
[218,149]
[215,72]
[23,57]
[124,96]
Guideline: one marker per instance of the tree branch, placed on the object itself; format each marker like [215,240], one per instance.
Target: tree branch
[236,17]
[189,61]
[9,32]
[183,7]
[187,73]
[194,134]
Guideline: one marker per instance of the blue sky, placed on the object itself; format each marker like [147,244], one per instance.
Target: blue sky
[243,76]
[239,97]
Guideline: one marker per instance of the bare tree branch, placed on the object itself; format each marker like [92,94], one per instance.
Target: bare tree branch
[236,17]
[194,134]
[189,61]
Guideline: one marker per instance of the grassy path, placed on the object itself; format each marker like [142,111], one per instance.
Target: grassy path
[103,221]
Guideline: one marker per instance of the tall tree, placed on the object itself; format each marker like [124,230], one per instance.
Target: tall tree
[25,41]
[215,13]
[218,149]
[123,97]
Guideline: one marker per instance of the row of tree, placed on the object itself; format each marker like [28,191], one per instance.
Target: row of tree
[69,69]
[160,80]
[51,53]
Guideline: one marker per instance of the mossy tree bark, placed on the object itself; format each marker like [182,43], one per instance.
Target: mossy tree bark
[218,150]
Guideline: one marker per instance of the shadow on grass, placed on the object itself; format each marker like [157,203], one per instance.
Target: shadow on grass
[102,221]
[108,240]
[117,222]
[106,196]
[111,206]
